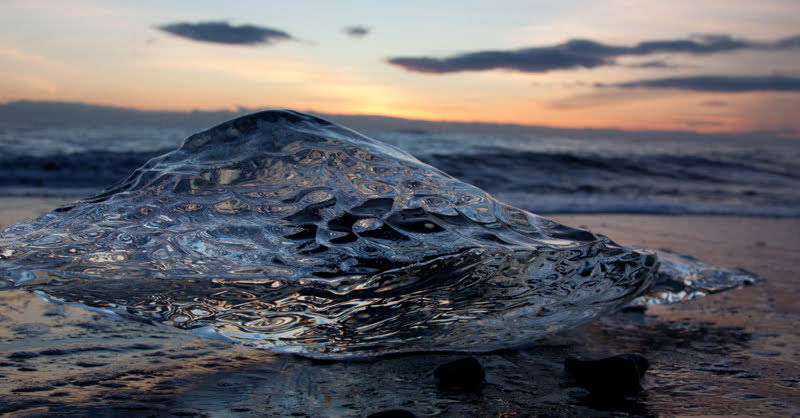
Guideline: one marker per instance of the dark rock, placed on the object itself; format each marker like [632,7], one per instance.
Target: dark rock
[617,376]
[392,413]
[465,373]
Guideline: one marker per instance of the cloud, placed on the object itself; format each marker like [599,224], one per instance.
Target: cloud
[580,53]
[717,83]
[357,31]
[534,60]
[225,33]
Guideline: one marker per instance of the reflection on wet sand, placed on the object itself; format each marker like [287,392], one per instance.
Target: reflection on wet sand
[62,359]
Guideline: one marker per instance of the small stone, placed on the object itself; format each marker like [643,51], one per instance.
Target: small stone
[617,376]
[465,373]
[392,413]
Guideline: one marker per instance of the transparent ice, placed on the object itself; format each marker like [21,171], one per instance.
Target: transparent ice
[287,232]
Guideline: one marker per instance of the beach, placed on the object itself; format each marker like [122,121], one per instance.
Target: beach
[735,353]
[399,210]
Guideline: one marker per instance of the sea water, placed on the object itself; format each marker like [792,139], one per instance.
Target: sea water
[632,173]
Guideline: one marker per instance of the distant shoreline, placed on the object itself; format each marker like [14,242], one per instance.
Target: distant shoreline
[36,113]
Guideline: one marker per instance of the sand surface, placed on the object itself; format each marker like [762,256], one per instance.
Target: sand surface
[736,353]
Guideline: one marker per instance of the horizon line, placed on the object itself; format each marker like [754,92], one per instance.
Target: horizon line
[452,122]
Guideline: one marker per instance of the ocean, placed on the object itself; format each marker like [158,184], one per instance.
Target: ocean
[670,174]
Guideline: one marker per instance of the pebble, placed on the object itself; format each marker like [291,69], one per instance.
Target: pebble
[465,373]
[617,376]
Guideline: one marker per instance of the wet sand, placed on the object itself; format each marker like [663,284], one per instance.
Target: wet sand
[736,353]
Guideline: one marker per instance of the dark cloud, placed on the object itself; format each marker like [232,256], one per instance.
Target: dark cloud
[701,44]
[534,60]
[715,103]
[581,53]
[356,31]
[225,33]
[717,83]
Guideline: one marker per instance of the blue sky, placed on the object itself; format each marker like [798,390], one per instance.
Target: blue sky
[705,66]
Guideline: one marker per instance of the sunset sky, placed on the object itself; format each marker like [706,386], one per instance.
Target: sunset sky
[721,65]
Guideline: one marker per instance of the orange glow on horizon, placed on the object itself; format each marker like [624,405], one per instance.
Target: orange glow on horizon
[609,119]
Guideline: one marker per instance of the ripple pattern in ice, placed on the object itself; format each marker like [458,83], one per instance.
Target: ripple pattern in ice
[287,232]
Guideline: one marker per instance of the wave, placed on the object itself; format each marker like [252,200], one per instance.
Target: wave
[80,170]
[618,178]
[650,183]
